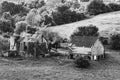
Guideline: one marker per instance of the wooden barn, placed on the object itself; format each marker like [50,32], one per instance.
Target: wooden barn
[88,46]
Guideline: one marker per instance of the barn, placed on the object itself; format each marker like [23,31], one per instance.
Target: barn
[88,45]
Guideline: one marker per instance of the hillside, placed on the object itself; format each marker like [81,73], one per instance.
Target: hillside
[105,23]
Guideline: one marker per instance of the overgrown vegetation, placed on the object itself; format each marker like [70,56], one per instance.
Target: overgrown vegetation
[64,13]
[114,6]
[96,7]
[12,8]
[115,42]
[16,17]
[90,30]
[82,62]
[37,13]
[4,44]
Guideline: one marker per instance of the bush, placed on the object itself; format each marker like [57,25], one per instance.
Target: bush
[82,63]
[114,6]
[104,40]
[90,30]
[96,7]
[115,42]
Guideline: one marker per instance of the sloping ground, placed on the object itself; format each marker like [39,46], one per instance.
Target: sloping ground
[105,23]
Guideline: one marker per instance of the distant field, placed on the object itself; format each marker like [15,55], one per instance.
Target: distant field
[105,22]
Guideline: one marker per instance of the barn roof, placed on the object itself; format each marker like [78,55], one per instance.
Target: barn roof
[86,41]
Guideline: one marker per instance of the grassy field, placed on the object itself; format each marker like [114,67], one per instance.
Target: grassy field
[59,68]
[105,22]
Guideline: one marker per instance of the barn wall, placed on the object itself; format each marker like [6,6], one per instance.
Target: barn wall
[97,48]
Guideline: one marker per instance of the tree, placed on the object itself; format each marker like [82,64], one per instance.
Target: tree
[66,13]
[20,27]
[96,7]
[33,18]
[8,17]
[12,8]
[90,30]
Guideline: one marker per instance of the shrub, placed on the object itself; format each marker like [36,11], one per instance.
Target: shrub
[90,30]
[82,62]
[96,7]
[104,40]
[114,6]
[115,41]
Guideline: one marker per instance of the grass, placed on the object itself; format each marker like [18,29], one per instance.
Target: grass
[105,22]
[59,68]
